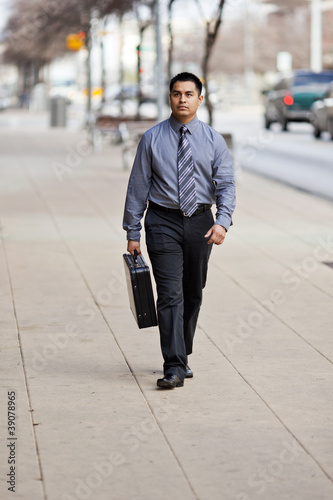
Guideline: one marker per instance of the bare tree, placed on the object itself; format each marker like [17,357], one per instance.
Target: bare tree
[24,39]
[143,24]
[102,48]
[212,29]
[36,30]
[170,48]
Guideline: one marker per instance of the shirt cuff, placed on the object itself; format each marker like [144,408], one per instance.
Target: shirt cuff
[133,235]
[224,221]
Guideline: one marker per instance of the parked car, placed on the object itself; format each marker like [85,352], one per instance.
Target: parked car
[291,98]
[322,114]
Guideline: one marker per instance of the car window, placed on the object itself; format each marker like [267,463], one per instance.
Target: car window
[314,78]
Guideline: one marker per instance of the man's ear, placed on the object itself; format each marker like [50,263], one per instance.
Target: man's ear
[200,99]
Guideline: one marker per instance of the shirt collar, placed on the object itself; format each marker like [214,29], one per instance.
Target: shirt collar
[176,125]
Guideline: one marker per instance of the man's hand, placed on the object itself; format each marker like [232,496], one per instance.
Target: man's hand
[216,234]
[133,245]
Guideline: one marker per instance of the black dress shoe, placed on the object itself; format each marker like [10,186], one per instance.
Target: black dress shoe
[170,381]
[189,373]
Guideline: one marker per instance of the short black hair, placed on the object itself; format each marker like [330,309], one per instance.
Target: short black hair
[187,77]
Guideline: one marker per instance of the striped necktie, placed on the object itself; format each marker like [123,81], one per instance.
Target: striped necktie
[187,193]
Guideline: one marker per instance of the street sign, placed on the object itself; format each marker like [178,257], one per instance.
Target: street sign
[75,41]
[284,61]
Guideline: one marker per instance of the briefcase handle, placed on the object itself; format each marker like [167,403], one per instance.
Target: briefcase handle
[135,257]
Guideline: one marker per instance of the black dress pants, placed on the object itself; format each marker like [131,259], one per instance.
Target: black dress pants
[179,254]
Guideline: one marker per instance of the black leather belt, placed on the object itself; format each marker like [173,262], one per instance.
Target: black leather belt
[201,208]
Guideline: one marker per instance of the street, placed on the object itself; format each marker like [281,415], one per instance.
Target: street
[294,157]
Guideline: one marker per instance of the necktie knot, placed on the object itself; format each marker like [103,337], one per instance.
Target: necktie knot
[183,130]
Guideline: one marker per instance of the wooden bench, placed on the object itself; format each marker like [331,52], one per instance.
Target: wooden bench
[125,130]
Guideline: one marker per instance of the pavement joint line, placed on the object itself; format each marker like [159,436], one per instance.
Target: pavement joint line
[171,449]
[283,264]
[234,280]
[260,217]
[292,188]
[25,379]
[49,211]
[276,225]
[95,205]
[271,177]
[330,478]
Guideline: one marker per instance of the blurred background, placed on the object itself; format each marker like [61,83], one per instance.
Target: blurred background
[104,65]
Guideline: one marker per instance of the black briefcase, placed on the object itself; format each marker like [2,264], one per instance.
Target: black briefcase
[140,290]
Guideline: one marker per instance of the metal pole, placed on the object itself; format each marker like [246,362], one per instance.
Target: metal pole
[86,21]
[160,91]
[316,36]
[248,52]
[88,62]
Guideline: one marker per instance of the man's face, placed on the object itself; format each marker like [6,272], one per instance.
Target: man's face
[184,101]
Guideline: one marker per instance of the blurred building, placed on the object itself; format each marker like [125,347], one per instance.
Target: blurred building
[320,22]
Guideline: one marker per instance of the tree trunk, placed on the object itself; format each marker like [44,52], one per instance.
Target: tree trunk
[170,50]
[103,77]
[143,25]
[205,62]
[139,70]
[36,68]
[88,67]
[212,28]
[121,67]
[23,85]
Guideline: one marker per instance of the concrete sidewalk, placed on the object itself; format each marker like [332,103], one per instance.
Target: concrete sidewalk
[255,422]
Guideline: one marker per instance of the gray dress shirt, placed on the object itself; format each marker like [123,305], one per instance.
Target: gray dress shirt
[154,174]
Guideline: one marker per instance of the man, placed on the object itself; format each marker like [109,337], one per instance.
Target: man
[182,166]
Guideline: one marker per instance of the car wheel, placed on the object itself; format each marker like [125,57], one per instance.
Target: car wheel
[284,126]
[268,123]
[316,132]
[330,127]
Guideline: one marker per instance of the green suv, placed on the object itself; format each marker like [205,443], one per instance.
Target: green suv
[292,96]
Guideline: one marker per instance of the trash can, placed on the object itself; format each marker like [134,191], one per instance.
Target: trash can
[58,112]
